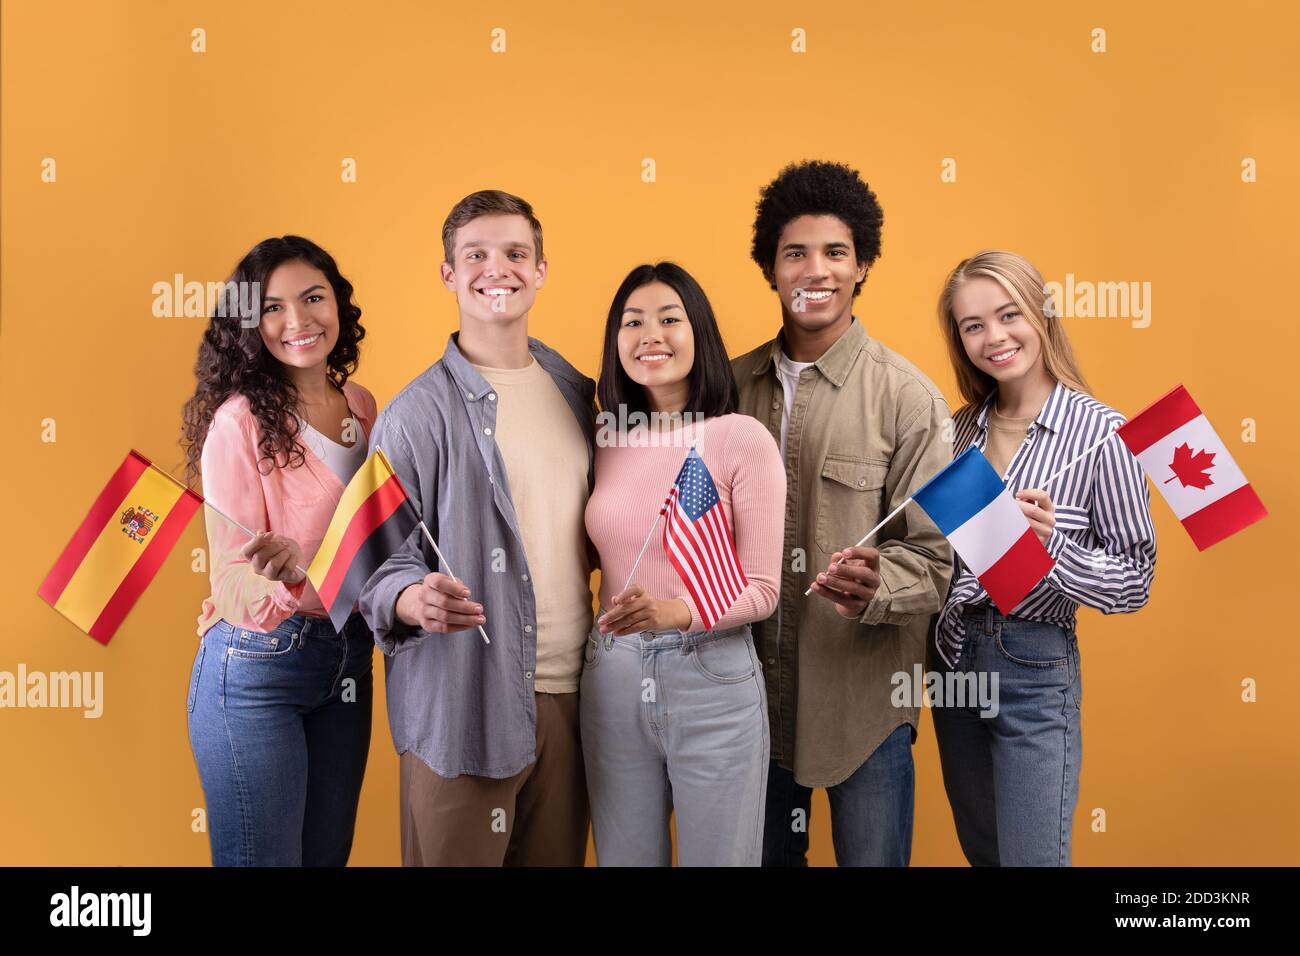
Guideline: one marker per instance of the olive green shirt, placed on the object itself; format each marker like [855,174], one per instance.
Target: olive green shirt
[866,430]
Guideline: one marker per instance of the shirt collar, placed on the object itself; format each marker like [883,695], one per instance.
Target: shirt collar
[475,387]
[1051,416]
[835,363]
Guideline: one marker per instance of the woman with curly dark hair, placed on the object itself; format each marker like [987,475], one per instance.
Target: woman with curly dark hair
[279,703]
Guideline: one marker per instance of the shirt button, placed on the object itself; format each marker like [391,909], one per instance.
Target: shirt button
[528,629]
[487,431]
[862,482]
[492,396]
[775,404]
[470,396]
[524,576]
[528,674]
[771,662]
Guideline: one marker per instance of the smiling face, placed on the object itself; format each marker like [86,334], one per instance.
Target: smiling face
[816,271]
[496,272]
[998,339]
[300,316]
[656,344]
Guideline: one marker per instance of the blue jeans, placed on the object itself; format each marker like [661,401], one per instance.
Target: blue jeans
[1013,776]
[280,729]
[675,723]
[871,811]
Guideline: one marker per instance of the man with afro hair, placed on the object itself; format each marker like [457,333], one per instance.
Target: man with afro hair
[860,429]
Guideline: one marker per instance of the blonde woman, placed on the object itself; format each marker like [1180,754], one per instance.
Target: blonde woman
[1011,770]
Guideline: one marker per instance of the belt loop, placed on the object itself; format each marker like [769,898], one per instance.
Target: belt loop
[988,619]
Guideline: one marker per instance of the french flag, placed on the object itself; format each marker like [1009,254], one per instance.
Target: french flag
[1185,458]
[985,526]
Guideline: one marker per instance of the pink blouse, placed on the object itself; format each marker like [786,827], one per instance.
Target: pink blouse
[295,502]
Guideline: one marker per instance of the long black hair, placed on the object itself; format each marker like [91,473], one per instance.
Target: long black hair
[712,385]
[233,359]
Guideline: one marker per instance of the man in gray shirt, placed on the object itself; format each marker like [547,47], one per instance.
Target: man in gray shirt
[494,444]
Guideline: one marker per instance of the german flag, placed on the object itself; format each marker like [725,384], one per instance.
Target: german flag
[373,518]
[118,549]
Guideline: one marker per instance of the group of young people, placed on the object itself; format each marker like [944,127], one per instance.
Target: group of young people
[509,749]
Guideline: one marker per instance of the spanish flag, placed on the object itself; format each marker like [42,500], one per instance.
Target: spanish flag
[373,518]
[119,548]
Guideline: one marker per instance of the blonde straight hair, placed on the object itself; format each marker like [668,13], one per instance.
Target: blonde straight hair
[1020,280]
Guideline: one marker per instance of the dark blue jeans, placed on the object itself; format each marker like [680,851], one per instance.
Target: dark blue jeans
[1012,771]
[871,811]
[280,729]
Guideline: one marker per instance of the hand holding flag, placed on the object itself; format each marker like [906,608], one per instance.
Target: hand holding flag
[697,542]
[850,581]
[373,519]
[275,557]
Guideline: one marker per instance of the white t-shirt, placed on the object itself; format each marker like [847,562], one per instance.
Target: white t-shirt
[788,372]
[341,459]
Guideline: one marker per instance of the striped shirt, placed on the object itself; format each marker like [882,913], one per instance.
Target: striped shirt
[1104,542]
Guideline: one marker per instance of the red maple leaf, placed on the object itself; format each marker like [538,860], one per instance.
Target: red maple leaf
[1192,470]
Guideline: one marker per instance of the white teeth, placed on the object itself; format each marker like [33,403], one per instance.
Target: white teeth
[819,295]
[298,343]
[653,358]
[1003,356]
[496,291]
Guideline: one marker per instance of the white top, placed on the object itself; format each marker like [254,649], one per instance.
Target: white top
[788,371]
[341,459]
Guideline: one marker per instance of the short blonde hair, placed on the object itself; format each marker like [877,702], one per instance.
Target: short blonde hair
[1020,280]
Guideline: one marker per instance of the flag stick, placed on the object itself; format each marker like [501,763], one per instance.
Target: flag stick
[247,531]
[423,527]
[237,524]
[442,558]
[1078,458]
[637,563]
[867,536]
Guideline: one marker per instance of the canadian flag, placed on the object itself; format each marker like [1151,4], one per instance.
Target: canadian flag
[1189,463]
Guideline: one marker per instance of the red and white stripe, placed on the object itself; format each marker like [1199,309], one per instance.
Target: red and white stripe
[703,554]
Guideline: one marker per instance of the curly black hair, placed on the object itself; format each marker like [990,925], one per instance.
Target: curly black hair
[816,188]
[233,359]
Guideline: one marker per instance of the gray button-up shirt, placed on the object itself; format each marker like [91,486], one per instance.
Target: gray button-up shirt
[460,705]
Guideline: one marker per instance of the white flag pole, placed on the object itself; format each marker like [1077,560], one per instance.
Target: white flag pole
[247,531]
[237,524]
[866,537]
[1078,458]
[425,529]
[637,563]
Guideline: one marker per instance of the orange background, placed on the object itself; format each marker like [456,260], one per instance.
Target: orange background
[1116,166]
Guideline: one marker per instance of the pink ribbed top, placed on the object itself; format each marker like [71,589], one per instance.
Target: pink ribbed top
[632,483]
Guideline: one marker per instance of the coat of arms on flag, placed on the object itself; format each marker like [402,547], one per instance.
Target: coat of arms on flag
[119,547]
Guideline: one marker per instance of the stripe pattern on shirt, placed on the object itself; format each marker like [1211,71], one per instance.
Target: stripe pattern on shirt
[1103,540]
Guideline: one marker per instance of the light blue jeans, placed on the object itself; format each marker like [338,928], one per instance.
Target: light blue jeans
[1013,778]
[280,729]
[675,723]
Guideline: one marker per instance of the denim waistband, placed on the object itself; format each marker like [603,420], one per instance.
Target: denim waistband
[305,627]
[667,638]
[987,617]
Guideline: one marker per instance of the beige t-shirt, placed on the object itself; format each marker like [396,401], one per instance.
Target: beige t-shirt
[1006,435]
[546,467]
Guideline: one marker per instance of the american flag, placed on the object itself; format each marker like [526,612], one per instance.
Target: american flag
[697,541]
